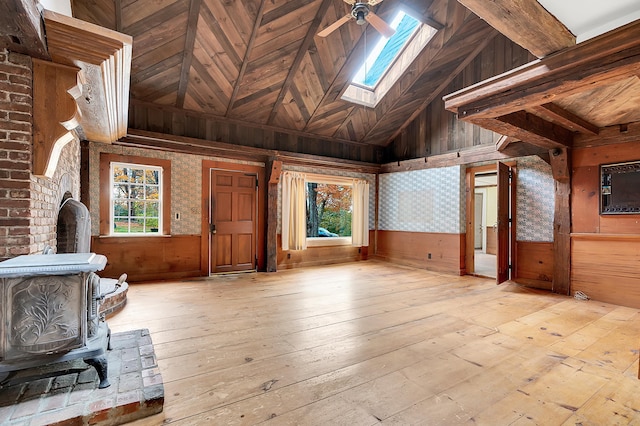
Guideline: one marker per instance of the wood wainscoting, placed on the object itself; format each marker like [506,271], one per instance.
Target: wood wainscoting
[534,264]
[413,249]
[605,267]
[317,256]
[150,258]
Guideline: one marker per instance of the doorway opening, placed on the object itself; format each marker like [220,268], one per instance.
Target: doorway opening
[482,213]
[485,223]
[490,231]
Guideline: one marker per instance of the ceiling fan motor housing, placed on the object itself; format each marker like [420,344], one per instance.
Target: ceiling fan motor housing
[359,11]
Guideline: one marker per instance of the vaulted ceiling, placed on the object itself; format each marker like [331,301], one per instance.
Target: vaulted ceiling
[260,62]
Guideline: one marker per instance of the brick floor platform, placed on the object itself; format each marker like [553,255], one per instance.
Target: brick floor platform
[67,393]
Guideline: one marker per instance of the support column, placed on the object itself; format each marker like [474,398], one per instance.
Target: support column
[274,169]
[560,166]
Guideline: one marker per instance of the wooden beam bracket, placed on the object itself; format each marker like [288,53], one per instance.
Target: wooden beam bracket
[55,113]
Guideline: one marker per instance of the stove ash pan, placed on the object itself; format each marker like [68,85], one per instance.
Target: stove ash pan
[49,308]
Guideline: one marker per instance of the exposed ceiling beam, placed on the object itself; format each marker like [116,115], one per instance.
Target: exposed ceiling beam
[619,133]
[474,155]
[161,141]
[187,56]
[557,114]
[311,33]
[597,62]
[21,28]
[245,60]
[526,23]
[503,142]
[529,128]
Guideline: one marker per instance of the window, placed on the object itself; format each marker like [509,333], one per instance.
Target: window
[329,210]
[388,60]
[135,196]
[323,210]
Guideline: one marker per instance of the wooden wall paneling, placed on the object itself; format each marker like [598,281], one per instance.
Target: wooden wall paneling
[413,248]
[175,122]
[534,264]
[317,256]
[585,199]
[150,258]
[585,196]
[605,267]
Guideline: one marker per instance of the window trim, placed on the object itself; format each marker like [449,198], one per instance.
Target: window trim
[105,193]
[330,180]
[112,199]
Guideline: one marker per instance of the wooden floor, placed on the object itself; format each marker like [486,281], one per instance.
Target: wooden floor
[372,343]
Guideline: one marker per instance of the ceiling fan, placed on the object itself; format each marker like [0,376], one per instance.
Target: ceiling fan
[362,14]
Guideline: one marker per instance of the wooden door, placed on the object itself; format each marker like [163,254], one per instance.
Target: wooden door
[503,251]
[232,237]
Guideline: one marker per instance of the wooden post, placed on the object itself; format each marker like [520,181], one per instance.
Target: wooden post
[274,168]
[561,170]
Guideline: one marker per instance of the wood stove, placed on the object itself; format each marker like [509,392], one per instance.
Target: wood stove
[49,311]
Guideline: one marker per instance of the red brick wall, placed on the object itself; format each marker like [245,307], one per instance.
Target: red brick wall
[28,204]
[15,155]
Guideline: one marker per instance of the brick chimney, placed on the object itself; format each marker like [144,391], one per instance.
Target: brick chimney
[28,204]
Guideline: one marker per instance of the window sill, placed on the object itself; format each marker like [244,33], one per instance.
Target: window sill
[134,236]
[328,241]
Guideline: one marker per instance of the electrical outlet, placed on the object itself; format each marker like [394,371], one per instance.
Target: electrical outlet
[428,255]
[177,216]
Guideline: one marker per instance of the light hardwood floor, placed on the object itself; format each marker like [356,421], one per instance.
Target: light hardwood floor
[373,343]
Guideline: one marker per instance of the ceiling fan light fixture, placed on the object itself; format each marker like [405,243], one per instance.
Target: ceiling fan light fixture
[360,12]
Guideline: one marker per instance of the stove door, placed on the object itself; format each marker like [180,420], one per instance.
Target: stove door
[46,314]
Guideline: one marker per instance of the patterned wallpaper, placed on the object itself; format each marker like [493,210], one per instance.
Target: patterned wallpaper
[430,200]
[535,200]
[186,184]
[371,178]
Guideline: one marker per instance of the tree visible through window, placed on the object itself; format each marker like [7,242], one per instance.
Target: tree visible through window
[329,210]
[136,198]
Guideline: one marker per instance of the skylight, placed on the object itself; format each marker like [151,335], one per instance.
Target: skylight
[386,50]
[388,60]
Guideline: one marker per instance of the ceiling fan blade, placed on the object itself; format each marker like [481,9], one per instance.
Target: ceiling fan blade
[373,2]
[351,2]
[331,28]
[382,27]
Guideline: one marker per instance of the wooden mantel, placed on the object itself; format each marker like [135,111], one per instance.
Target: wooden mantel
[101,59]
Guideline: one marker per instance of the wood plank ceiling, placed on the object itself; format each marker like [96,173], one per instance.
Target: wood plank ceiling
[260,62]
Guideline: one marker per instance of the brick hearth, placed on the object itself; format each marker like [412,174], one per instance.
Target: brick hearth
[67,393]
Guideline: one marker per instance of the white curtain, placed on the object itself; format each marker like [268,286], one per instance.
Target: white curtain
[360,219]
[294,211]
